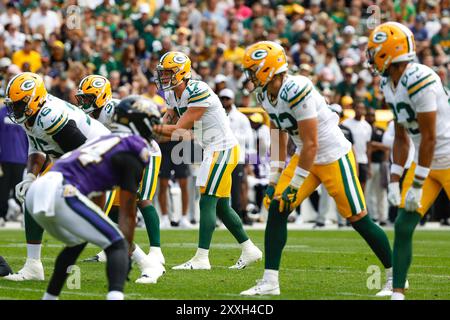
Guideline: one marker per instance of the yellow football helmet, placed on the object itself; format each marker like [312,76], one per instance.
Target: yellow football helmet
[389,43]
[25,95]
[262,61]
[94,92]
[173,68]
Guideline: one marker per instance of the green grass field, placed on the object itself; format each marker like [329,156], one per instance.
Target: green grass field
[315,265]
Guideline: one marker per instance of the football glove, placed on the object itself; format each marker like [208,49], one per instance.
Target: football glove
[22,187]
[394,196]
[412,200]
[269,193]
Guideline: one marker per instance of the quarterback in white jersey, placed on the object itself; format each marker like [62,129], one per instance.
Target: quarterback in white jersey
[94,97]
[53,127]
[324,156]
[421,108]
[192,104]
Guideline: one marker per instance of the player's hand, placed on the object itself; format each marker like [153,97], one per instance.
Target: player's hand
[394,196]
[22,187]
[412,200]
[268,195]
[288,199]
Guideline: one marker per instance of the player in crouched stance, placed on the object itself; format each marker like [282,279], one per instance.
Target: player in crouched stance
[95,98]
[323,156]
[53,127]
[421,107]
[192,104]
[60,200]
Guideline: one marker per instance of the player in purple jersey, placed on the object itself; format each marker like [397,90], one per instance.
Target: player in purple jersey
[60,201]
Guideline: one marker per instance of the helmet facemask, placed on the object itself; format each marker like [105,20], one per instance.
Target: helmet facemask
[250,74]
[18,111]
[86,101]
[167,78]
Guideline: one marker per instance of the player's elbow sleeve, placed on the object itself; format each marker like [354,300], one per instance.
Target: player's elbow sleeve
[69,137]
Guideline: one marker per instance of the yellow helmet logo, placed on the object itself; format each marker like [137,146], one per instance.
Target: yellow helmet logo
[28,85]
[380,37]
[259,54]
[98,83]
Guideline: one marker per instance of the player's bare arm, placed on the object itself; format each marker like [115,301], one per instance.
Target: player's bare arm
[400,150]
[427,128]
[185,122]
[308,135]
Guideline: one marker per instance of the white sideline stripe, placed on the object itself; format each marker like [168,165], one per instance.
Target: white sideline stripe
[76,292]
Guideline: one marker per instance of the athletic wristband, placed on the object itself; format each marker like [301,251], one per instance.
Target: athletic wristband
[274,176]
[420,174]
[397,169]
[299,177]
[277,164]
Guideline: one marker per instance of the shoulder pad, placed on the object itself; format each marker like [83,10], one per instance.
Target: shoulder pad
[419,78]
[295,91]
[197,91]
[52,119]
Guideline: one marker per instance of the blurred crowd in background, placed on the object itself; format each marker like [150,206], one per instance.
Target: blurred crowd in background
[123,41]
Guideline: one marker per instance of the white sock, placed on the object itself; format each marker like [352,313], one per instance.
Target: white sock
[397,296]
[155,250]
[388,273]
[48,296]
[202,253]
[138,255]
[34,251]
[271,275]
[247,245]
[115,295]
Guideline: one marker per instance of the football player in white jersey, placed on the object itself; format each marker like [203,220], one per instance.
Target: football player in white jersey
[94,97]
[324,156]
[192,104]
[421,108]
[53,127]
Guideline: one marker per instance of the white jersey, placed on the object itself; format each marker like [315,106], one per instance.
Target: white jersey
[298,100]
[51,118]
[420,90]
[242,130]
[106,118]
[362,133]
[212,131]
[107,113]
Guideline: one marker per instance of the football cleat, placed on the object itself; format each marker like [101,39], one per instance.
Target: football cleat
[99,257]
[32,270]
[247,257]
[157,256]
[194,264]
[263,287]
[151,275]
[388,289]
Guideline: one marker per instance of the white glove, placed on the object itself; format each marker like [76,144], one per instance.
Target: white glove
[412,200]
[22,187]
[394,196]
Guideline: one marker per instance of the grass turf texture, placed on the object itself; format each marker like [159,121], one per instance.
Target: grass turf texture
[315,265]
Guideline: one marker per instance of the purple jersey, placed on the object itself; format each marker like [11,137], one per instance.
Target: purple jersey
[90,168]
